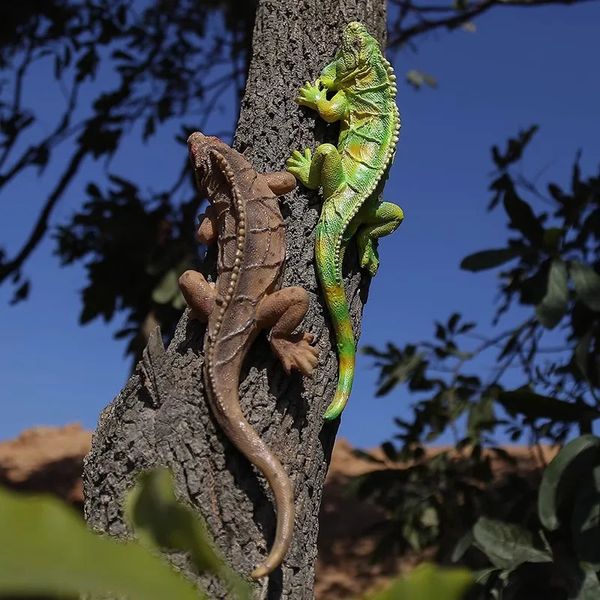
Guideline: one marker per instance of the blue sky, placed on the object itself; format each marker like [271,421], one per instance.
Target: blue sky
[520,67]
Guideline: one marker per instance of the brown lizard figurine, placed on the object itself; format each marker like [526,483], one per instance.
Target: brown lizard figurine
[245,221]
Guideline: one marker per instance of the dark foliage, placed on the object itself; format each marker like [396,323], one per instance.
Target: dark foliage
[153,66]
[549,270]
[555,553]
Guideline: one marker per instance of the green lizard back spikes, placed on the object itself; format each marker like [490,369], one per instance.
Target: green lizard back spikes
[352,175]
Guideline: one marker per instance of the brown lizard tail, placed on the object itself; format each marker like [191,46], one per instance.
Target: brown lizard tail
[249,443]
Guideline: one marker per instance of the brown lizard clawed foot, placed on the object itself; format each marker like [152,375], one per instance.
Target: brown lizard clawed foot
[296,352]
[283,311]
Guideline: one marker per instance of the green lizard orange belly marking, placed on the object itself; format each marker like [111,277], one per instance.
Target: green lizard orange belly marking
[362,87]
[245,221]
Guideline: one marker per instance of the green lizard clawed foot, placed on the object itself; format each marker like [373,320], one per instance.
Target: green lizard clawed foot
[368,254]
[310,94]
[323,168]
[382,221]
[298,164]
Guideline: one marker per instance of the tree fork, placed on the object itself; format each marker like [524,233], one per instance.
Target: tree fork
[161,416]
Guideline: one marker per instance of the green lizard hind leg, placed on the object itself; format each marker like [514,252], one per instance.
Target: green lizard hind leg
[324,168]
[381,221]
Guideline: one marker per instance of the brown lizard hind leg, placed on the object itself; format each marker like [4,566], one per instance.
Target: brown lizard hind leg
[198,293]
[280,182]
[207,231]
[283,311]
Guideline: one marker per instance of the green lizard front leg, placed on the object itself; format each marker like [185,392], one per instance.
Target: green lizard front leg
[375,222]
[313,95]
[324,168]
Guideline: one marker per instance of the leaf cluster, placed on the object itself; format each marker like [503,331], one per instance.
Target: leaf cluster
[554,277]
[154,236]
[557,555]
[47,550]
[428,499]
[548,275]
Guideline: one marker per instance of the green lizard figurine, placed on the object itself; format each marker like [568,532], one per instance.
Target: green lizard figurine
[361,86]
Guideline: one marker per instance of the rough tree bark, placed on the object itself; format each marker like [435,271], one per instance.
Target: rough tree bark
[161,416]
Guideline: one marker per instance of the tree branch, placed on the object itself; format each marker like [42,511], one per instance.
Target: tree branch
[401,36]
[16,103]
[62,131]
[13,266]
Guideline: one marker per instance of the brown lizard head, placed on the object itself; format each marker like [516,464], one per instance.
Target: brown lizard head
[202,148]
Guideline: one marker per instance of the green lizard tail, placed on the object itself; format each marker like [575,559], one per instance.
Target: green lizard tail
[330,277]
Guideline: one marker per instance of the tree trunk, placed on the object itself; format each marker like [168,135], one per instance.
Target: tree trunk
[161,416]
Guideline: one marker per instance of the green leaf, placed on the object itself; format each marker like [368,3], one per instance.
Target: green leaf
[590,586]
[46,549]
[507,545]
[390,451]
[553,306]
[580,578]
[523,219]
[481,414]
[418,79]
[21,293]
[483,576]
[167,288]
[178,303]
[563,475]
[585,521]
[514,148]
[587,284]
[582,352]
[488,259]
[465,542]
[430,518]
[453,321]
[427,582]
[552,238]
[402,369]
[160,520]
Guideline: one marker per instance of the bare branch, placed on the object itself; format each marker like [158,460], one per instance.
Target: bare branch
[13,266]
[399,36]
[16,104]
[62,131]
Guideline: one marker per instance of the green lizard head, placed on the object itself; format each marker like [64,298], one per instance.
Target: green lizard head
[358,54]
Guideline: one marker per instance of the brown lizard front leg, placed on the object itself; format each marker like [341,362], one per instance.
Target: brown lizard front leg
[207,231]
[280,182]
[283,311]
[199,294]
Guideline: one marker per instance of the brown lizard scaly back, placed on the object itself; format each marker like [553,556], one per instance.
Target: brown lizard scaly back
[232,326]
